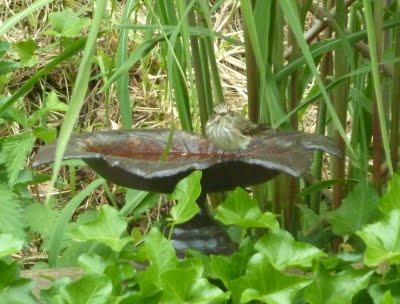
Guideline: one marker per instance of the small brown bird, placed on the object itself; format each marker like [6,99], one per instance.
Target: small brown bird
[230,131]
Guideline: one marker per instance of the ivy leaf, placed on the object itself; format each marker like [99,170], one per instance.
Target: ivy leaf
[67,23]
[242,210]
[183,286]
[19,291]
[391,199]
[52,295]
[359,208]
[338,288]
[186,193]
[13,289]
[9,244]
[387,298]
[105,227]
[90,289]
[382,240]
[159,251]
[386,292]
[229,268]
[138,202]
[264,283]
[93,263]
[149,282]
[120,274]
[13,153]
[11,219]
[283,251]
[161,255]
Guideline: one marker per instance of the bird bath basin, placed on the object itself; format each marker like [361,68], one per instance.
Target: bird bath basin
[156,160]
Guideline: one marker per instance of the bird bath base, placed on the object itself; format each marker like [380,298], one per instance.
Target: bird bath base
[202,234]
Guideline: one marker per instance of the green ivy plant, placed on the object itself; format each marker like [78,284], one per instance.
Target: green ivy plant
[119,265]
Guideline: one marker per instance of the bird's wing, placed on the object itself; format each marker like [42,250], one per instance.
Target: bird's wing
[247,127]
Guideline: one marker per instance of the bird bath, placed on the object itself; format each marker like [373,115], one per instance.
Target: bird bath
[156,160]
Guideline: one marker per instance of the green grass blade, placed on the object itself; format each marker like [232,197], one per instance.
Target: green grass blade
[268,88]
[176,65]
[123,82]
[185,32]
[216,80]
[79,91]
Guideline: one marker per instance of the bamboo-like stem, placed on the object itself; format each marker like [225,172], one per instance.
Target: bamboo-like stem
[386,82]
[252,78]
[340,104]
[202,99]
[216,80]
[292,183]
[278,56]
[205,71]
[359,138]
[395,106]
[376,128]
[125,106]
[181,7]
[278,61]
[326,70]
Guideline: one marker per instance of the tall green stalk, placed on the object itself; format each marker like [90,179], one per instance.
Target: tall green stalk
[198,73]
[165,14]
[340,105]
[125,107]
[291,183]
[375,39]
[205,71]
[209,44]
[252,77]
[278,51]
[278,62]
[395,106]
[316,170]
[377,135]
[182,7]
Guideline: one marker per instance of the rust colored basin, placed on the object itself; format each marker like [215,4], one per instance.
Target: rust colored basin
[144,159]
